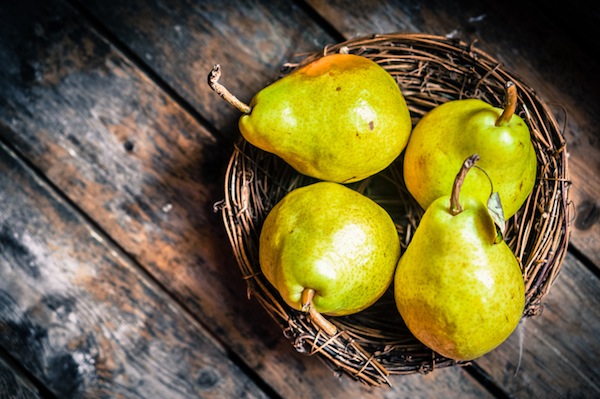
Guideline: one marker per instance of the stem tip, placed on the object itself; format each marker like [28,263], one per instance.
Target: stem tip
[213,82]
[510,103]
[317,318]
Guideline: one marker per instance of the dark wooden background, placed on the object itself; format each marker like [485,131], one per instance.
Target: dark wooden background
[116,276]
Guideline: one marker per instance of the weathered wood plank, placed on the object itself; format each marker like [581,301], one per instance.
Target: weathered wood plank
[251,39]
[147,174]
[13,385]
[81,318]
[560,347]
[541,51]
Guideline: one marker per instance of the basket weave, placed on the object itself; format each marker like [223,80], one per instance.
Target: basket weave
[430,70]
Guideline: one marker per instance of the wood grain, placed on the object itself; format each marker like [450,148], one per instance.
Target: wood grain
[14,385]
[181,43]
[82,319]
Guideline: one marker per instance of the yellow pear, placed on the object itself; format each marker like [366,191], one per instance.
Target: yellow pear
[340,118]
[328,249]
[450,132]
[459,290]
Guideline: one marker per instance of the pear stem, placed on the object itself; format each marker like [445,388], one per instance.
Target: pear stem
[317,318]
[213,82]
[455,207]
[510,104]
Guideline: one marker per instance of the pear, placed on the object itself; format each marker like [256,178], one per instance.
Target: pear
[328,249]
[458,289]
[450,132]
[340,118]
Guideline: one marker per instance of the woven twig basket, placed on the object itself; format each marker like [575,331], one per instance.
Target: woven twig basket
[430,70]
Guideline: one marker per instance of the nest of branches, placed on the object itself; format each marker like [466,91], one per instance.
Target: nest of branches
[430,70]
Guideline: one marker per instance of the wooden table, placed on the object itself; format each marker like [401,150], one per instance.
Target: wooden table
[117,279]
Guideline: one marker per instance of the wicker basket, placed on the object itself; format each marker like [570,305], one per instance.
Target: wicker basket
[430,70]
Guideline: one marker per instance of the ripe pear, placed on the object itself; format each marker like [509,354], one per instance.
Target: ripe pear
[450,132]
[328,249]
[340,118]
[459,290]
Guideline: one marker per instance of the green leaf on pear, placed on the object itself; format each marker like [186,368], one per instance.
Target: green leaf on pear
[495,210]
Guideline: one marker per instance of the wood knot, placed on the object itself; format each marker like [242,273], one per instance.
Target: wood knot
[207,378]
[588,214]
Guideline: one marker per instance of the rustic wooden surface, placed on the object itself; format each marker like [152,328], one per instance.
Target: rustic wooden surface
[116,276]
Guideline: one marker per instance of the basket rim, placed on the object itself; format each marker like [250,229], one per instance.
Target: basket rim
[245,185]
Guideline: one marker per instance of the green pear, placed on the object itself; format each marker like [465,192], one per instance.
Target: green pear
[328,249]
[459,290]
[450,132]
[340,118]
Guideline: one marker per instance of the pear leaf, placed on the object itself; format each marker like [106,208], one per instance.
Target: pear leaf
[495,210]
